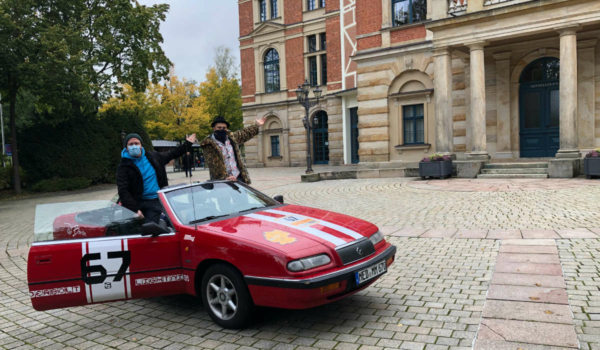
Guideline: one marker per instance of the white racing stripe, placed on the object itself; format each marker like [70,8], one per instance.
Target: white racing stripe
[333,226]
[323,235]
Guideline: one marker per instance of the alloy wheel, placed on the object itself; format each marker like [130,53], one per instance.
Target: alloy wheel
[222,297]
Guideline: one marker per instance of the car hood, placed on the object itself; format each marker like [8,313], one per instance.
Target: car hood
[293,228]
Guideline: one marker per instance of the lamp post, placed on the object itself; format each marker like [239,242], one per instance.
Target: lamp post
[123,135]
[302,95]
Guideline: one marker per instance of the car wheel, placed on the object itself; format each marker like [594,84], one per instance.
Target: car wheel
[226,296]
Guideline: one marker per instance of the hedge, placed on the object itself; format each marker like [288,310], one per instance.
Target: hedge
[87,147]
[6,177]
[56,185]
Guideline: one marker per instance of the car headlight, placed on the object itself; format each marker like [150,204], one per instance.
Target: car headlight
[377,237]
[308,263]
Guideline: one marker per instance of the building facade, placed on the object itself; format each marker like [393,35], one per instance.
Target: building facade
[476,79]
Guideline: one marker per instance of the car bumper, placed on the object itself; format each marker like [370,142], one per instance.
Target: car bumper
[308,292]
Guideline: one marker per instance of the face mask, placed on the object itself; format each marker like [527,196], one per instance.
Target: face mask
[221,135]
[134,150]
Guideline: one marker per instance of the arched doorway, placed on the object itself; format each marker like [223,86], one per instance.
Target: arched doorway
[539,108]
[320,138]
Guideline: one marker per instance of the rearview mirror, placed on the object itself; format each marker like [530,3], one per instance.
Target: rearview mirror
[279,198]
[152,229]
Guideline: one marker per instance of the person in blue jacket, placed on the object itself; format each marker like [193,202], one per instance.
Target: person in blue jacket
[142,173]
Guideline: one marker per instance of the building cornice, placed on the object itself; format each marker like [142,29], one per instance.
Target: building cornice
[426,45]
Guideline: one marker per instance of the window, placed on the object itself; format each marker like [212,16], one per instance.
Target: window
[312,43]
[408,11]
[273,8]
[275,146]
[414,124]
[322,3]
[323,41]
[311,5]
[324,69]
[263,10]
[312,68]
[272,71]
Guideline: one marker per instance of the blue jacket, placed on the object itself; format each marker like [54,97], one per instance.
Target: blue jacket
[148,174]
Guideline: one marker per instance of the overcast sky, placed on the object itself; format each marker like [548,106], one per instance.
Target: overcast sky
[193,28]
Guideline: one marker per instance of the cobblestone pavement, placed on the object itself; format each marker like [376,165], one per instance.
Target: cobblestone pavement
[394,202]
[431,298]
[581,265]
[502,185]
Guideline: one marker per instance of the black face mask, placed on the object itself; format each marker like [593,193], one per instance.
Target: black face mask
[221,135]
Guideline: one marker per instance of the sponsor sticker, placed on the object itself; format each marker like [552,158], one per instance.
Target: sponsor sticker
[280,237]
[54,291]
[295,221]
[189,238]
[161,279]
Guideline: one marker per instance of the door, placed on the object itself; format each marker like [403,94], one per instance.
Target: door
[93,252]
[539,109]
[320,138]
[354,135]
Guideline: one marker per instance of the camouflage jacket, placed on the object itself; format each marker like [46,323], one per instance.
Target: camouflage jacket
[214,158]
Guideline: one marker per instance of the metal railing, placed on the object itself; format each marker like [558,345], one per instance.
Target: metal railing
[455,6]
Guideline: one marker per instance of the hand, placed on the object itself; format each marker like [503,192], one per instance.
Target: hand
[191,138]
[140,214]
[261,121]
[231,178]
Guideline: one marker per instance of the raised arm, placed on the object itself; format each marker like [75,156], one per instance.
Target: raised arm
[166,157]
[246,134]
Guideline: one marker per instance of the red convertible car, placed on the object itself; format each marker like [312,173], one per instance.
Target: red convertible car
[231,245]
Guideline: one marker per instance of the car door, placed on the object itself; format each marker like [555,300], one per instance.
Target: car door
[84,256]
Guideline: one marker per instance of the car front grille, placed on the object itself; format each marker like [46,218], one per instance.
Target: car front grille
[356,251]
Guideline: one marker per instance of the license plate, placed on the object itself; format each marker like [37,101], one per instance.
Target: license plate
[370,272]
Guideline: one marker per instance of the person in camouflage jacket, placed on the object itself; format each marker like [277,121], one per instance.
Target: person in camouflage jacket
[222,152]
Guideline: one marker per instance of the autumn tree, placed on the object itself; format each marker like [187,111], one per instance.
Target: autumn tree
[221,97]
[71,54]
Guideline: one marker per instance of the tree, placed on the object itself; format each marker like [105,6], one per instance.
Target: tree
[225,63]
[72,54]
[221,97]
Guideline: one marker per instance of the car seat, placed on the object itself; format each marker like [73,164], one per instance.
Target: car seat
[163,224]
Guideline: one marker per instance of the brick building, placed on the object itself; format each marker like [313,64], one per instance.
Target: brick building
[480,80]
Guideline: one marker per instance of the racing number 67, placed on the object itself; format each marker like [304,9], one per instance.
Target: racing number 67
[85,270]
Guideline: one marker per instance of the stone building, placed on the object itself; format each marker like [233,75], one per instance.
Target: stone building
[480,80]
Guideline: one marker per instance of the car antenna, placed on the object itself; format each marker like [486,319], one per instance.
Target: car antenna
[189,165]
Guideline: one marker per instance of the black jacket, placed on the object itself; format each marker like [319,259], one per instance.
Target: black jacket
[188,162]
[130,182]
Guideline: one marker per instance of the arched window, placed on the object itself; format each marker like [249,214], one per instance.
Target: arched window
[272,71]
[547,68]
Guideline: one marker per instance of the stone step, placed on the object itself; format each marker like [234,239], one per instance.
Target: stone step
[512,176]
[516,171]
[516,165]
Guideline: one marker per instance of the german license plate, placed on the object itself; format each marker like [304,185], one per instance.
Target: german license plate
[370,272]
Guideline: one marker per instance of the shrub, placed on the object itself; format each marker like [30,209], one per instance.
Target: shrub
[84,147]
[436,157]
[56,185]
[6,177]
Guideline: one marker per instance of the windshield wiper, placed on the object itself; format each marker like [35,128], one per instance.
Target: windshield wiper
[207,218]
[243,211]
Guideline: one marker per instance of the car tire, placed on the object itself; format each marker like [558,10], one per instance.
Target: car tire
[227,289]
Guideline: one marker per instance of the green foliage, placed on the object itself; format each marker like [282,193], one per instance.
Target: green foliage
[83,147]
[6,176]
[56,185]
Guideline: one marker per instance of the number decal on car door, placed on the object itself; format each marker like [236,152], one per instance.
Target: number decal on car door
[104,269]
[86,270]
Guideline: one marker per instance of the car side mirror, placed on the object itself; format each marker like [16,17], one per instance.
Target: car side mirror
[279,198]
[152,229]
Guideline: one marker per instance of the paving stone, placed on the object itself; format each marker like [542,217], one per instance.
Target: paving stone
[529,249]
[439,233]
[527,268]
[529,242]
[576,233]
[464,233]
[528,294]
[528,258]
[539,234]
[409,232]
[529,332]
[516,279]
[485,344]
[527,311]
[504,234]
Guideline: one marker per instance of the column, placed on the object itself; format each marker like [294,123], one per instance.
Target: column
[442,61]
[478,112]
[569,147]
[503,148]
[468,128]
[586,73]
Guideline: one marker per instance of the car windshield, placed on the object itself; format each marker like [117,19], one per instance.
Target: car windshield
[210,201]
[88,219]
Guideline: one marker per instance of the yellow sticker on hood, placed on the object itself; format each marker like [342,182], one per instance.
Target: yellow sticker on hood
[280,237]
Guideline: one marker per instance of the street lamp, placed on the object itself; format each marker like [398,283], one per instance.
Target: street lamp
[302,95]
[123,134]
